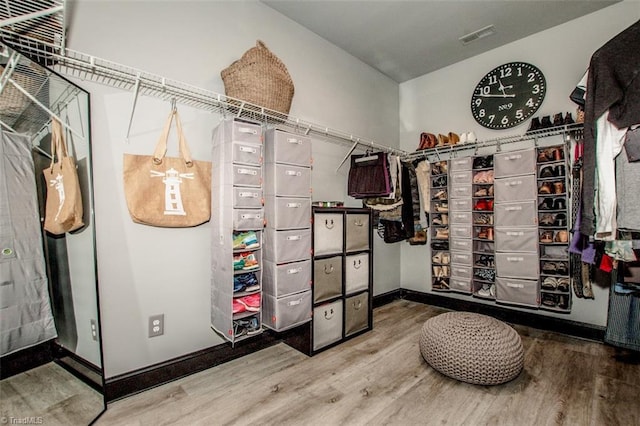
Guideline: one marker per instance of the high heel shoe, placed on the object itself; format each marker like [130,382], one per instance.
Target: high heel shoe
[546,237]
[561,236]
[559,204]
[442,140]
[558,188]
[453,138]
[560,220]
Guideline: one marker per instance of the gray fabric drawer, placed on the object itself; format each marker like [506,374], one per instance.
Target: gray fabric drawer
[288,278]
[460,218]
[246,153]
[289,148]
[286,312]
[459,190]
[327,278]
[245,132]
[464,245]
[287,246]
[519,188]
[247,175]
[517,265]
[517,292]
[461,164]
[357,232]
[247,197]
[514,163]
[248,219]
[523,213]
[460,205]
[288,213]
[461,285]
[516,239]
[461,178]
[327,228]
[285,180]
[461,257]
[327,324]
[461,271]
[459,231]
[356,274]
[356,311]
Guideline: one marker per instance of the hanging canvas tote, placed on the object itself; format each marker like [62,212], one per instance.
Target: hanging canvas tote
[63,211]
[165,191]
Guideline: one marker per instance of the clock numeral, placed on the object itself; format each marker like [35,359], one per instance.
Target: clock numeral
[532,77]
[536,89]
[478,102]
[481,113]
[529,103]
[491,118]
[519,114]
[493,79]
[485,90]
[505,120]
[519,71]
[505,72]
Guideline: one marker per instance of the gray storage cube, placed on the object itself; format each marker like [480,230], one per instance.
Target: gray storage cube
[288,148]
[327,228]
[517,292]
[248,219]
[464,245]
[460,218]
[461,271]
[327,324]
[357,232]
[288,213]
[461,164]
[245,153]
[327,278]
[519,188]
[460,205]
[461,285]
[287,246]
[356,311]
[459,231]
[523,213]
[461,178]
[460,191]
[287,278]
[517,265]
[286,312]
[242,131]
[461,257]
[516,239]
[514,163]
[245,197]
[287,180]
[246,175]
[356,276]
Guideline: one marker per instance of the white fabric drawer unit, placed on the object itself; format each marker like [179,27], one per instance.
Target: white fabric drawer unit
[459,231]
[288,213]
[243,132]
[462,257]
[517,292]
[459,190]
[460,218]
[516,214]
[516,239]
[286,312]
[356,274]
[287,148]
[461,178]
[246,175]
[287,180]
[327,324]
[460,205]
[356,311]
[461,271]
[287,246]
[517,265]
[248,219]
[462,245]
[515,163]
[245,197]
[327,228]
[288,278]
[327,278]
[461,164]
[244,153]
[357,232]
[519,188]
[461,285]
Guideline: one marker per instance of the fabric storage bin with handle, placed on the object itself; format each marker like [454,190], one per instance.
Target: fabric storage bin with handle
[356,311]
[523,213]
[247,175]
[519,188]
[516,240]
[288,278]
[460,205]
[327,229]
[462,257]
[288,213]
[327,324]
[248,219]
[287,181]
[244,153]
[245,197]
[461,285]
[517,292]
[243,131]
[286,312]
[287,148]
[357,232]
[356,275]
[517,265]
[327,278]
[514,163]
[461,164]
[287,246]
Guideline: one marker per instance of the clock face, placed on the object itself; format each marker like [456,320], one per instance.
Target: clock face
[508,95]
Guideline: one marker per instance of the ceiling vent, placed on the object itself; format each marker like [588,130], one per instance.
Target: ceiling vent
[478,34]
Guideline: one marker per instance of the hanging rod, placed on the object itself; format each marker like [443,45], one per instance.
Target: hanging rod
[86,67]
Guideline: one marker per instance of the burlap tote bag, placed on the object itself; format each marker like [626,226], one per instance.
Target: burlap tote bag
[63,207]
[165,191]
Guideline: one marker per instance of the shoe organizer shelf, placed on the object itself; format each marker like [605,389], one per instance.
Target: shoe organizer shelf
[439,213]
[553,214]
[484,270]
[237,220]
[461,225]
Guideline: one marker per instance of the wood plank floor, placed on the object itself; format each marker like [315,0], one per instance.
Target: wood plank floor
[381,378]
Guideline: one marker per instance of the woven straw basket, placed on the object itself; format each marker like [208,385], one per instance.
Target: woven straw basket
[260,78]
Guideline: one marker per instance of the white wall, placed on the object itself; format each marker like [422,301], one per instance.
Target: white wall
[145,270]
[439,102]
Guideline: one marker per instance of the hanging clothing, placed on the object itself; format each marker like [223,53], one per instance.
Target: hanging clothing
[623,318]
[369,176]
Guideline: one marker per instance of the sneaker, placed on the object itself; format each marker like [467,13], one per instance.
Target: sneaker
[250,326]
[238,307]
[251,302]
[238,262]
[245,282]
[485,291]
[245,240]
[250,262]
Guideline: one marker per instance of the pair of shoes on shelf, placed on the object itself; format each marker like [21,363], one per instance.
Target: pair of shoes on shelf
[483,219]
[487,291]
[485,274]
[547,237]
[427,141]
[440,283]
[547,187]
[442,234]
[485,233]
[441,258]
[245,283]
[246,326]
[483,162]
[245,240]
[553,219]
[560,301]
[448,139]
[440,219]
[485,260]
[440,195]
[439,182]
[484,192]
[245,261]
[555,153]
[441,271]
[483,205]
[485,176]
[441,207]
[551,204]
[557,267]
[247,303]
[468,137]
[552,171]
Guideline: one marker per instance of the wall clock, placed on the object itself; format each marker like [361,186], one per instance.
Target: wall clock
[508,95]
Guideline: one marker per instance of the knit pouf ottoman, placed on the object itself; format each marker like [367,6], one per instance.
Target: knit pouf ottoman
[472,348]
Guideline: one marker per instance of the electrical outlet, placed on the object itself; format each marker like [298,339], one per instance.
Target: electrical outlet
[94,330]
[156,325]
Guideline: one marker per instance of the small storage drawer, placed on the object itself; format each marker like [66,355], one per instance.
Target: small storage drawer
[286,312]
[357,232]
[515,163]
[461,245]
[327,278]
[460,191]
[287,246]
[517,265]
[461,257]
[285,180]
[459,231]
[517,292]
[245,197]
[242,131]
[289,148]
[356,275]
[288,278]
[460,205]
[247,175]
[460,218]
[461,271]
[246,153]
[516,239]
[461,178]
[356,311]
[248,219]
[519,188]
[327,228]
[327,324]
[461,285]
[288,213]
[461,164]
[516,214]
